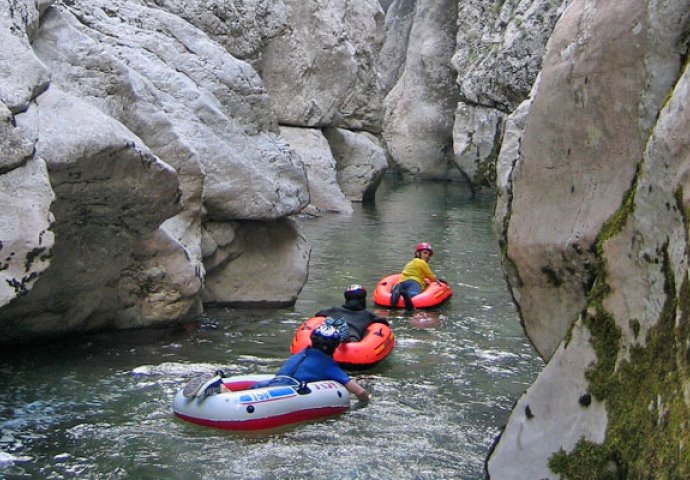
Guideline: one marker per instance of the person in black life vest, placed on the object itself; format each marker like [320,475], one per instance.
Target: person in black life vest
[353,312]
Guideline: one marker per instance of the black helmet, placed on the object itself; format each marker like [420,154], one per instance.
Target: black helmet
[355,291]
[326,338]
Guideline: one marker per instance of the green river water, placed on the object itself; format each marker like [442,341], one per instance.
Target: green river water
[99,407]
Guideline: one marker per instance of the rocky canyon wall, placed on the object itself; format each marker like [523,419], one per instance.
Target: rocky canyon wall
[592,217]
[155,151]
[143,156]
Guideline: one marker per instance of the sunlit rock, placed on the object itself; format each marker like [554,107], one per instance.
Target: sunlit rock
[324,192]
[109,192]
[597,244]
[23,75]
[418,119]
[477,133]
[26,240]
[538,424]
[242,27]
[360,162]
[321,71]
[583,140]
[185,97]
[135,91]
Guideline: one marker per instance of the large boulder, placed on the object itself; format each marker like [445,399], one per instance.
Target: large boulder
[360,162]
[254,264]
[418,119]
[599,263]
[325,194]
[197,107]
[586,131]
[109,192]
[322,70]
[148,129]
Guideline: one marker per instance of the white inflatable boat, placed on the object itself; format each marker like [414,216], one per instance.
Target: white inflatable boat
[258,409]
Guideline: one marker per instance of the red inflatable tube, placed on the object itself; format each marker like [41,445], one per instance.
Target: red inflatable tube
[432,296]
[374,347]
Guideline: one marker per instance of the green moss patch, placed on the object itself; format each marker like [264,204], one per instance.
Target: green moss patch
[648,418]
[648,436]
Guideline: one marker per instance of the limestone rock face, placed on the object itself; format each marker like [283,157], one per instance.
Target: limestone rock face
[188,98]
[577,159]
[500,49]
[399,19]
[477,134]
[507,166]
[324,192]
[418,120]
[23,76]
[554,413]
[109,190]
[242,27]
[499,54]
[144,129]
[26,241]
[321,71]
[360,162]
[256,264]
[594,179]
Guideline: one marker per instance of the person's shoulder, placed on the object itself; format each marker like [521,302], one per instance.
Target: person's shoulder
[315,352]
[300,353]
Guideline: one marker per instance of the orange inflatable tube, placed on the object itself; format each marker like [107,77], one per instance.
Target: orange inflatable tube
[374,347]
[433,295]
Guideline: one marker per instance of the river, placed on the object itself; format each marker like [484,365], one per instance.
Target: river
[99,407]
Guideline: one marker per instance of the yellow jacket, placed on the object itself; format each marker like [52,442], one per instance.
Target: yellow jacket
[417,270]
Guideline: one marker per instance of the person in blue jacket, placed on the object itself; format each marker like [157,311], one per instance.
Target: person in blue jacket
[316,363]
[310,364]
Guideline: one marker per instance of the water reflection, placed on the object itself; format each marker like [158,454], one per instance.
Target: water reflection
[101,408]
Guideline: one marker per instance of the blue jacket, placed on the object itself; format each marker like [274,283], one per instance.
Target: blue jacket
[307,365]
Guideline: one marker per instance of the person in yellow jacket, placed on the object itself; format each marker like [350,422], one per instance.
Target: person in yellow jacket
[415,276]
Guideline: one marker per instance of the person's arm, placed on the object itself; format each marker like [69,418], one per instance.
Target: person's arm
[428,273]
[357,390]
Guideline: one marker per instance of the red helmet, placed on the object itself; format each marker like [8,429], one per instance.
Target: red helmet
[424,246]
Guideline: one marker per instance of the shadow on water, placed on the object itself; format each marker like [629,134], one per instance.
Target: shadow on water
[99,406]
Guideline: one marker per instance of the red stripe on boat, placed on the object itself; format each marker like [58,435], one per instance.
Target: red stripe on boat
[266,422]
